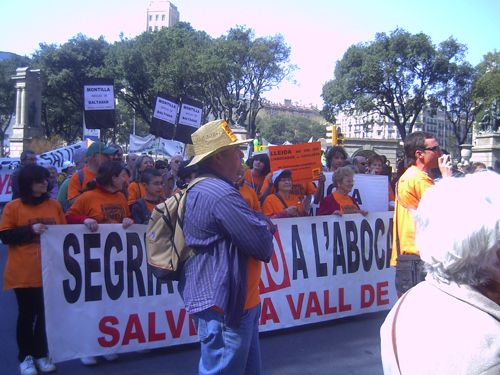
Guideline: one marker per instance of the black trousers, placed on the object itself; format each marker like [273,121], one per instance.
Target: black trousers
[30,330]
[409,272]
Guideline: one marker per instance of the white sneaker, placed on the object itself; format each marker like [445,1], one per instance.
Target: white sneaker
[88,361]
[27,367]
[45,364]
[111,357]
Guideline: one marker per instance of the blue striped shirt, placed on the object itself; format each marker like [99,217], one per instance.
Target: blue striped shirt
[224,232]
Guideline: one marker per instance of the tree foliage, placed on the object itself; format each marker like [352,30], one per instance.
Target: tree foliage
[391,76]
[280,128]
[64,70]
[239,69]
[166,61]
[454,94]
[487,88]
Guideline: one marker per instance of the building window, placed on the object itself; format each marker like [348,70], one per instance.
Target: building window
[156,28]
[163,17]
[150,28]
[157,17]
[150,17]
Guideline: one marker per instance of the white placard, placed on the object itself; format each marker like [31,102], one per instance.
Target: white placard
[98,97]
[190,115]
[166,110]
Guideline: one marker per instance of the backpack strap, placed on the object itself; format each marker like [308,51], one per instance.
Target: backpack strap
[282,200]
[80,176]
[182,198]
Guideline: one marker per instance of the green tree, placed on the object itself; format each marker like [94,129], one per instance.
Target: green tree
[454,95]
[279,128]
[64,70]
[391,76]
[8,68]
[166,61]
[238,69]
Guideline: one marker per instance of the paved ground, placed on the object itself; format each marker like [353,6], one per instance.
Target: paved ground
[345,346]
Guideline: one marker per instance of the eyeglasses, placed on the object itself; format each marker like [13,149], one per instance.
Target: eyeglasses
[433,149]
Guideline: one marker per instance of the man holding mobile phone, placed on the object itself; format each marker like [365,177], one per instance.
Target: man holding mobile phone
[422,153]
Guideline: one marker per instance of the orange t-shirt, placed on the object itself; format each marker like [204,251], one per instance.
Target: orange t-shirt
[410,189]
[300,189]
[136,190]
[102,206]
[273,206]
[254,266]
[250,196]
[74,187]
[24,263]
[254,182]
[346,203]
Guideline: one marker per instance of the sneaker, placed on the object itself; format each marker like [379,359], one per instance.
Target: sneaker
[88,361]
[111,357]
[27,367]
[45,364]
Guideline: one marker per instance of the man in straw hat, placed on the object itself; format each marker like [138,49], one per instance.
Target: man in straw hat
[219,284]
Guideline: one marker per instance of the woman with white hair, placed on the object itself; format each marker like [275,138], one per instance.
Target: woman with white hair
[450,323]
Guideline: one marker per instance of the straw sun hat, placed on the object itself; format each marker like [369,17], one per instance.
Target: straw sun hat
[212,138]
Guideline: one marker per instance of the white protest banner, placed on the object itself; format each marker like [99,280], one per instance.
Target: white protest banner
[98,97]
[5,185]
[58,156]
[9,163]
[370,191]
[153,144]
[326,268]
[55,157]
[101,299]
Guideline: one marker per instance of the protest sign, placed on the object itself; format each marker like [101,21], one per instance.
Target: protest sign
[303,159]
[99,103]
[101,298]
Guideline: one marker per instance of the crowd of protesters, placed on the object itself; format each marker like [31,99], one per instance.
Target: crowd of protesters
[99,187]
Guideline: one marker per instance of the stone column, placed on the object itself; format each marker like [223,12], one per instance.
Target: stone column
[28,110]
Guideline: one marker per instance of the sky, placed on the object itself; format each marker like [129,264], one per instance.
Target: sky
[318,31]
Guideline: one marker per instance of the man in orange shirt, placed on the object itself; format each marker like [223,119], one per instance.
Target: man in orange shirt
[423,153]
[96,154]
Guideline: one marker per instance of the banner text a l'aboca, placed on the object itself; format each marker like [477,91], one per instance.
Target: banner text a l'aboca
[101,298]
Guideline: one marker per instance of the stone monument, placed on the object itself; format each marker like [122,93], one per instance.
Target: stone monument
[28,110]
[486,148]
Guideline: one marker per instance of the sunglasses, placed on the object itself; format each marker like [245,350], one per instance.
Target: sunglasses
[433,149]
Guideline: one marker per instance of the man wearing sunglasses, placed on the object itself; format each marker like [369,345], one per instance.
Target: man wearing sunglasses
[422,153]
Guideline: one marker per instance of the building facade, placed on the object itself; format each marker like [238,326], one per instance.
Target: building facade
[161,14]
[375,126]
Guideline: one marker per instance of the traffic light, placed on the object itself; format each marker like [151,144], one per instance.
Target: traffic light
[340,136]
[331,133]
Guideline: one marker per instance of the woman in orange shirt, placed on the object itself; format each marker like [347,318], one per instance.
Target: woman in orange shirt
[23,220]
[339,202]
[255,176]
[136,188]
[283,203]
[103,204]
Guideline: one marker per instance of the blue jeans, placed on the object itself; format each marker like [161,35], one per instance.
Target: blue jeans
[229,350]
